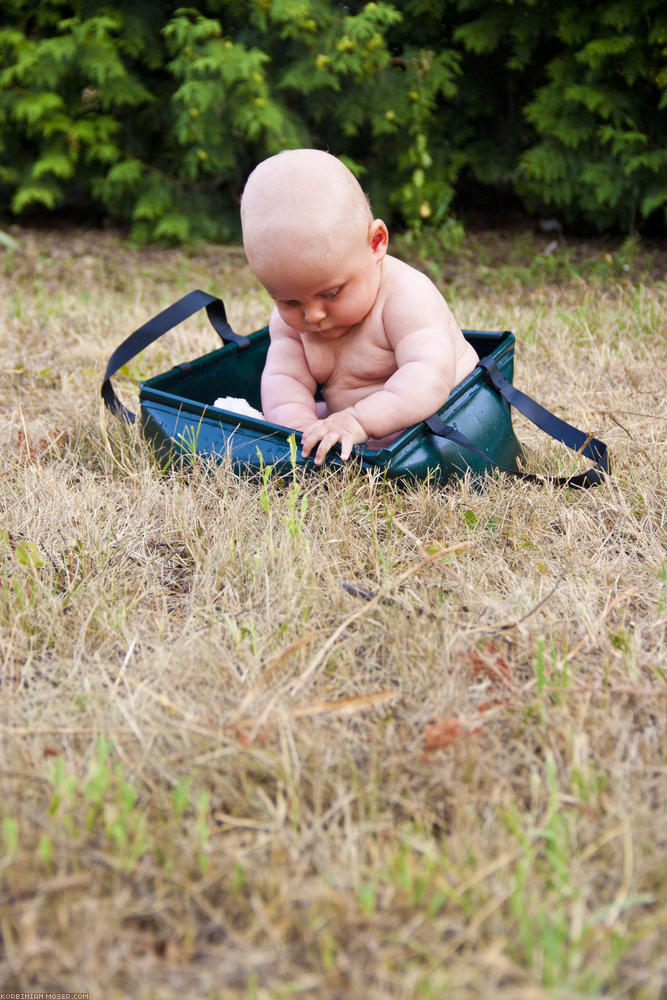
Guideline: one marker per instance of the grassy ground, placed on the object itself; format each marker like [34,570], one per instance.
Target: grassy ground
[224,775]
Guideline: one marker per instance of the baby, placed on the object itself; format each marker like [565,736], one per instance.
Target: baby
[373,332]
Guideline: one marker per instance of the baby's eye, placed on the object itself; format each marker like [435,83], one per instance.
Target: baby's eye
[331,295]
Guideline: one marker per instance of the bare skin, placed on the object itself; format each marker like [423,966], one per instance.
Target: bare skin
[373,331]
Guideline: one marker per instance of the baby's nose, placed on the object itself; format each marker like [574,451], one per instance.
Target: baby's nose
[314,312]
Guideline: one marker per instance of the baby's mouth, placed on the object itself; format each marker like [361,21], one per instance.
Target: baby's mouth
[324,331]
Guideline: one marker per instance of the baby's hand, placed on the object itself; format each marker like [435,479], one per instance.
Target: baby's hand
[340,427]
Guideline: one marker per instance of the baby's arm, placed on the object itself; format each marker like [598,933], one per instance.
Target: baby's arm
[431,357]
[287,388]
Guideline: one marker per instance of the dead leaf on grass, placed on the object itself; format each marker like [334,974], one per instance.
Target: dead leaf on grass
[442,733]
[487,663]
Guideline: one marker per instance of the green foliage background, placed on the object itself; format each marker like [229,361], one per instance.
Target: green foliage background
[154,114]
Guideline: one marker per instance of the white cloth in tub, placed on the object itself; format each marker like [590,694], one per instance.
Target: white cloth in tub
[240,406]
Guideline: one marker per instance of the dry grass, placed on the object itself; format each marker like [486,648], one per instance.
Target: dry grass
[225,775]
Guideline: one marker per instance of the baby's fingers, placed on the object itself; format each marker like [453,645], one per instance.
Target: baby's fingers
[345,440]
[310,436]
[347,443]
[328,441]
[326,437]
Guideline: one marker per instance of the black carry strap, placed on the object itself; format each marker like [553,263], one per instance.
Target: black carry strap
[154,328]
[582,443]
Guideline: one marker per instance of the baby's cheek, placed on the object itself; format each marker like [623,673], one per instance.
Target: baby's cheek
[289,316]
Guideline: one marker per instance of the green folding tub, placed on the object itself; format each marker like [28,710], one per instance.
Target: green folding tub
[177,414]
[471,432]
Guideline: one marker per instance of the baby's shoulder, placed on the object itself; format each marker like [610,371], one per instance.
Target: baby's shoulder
[399,278]
[412,302]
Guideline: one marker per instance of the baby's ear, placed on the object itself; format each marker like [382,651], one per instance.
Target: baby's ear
[378,238]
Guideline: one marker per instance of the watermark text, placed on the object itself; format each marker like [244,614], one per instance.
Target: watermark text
[45,996]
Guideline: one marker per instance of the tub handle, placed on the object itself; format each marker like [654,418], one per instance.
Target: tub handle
[584,444]
[156,327]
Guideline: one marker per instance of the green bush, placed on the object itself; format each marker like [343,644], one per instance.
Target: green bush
[564,106]
[601,140]
[154,114]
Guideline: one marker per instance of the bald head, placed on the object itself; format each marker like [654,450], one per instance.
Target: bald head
[302,201]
